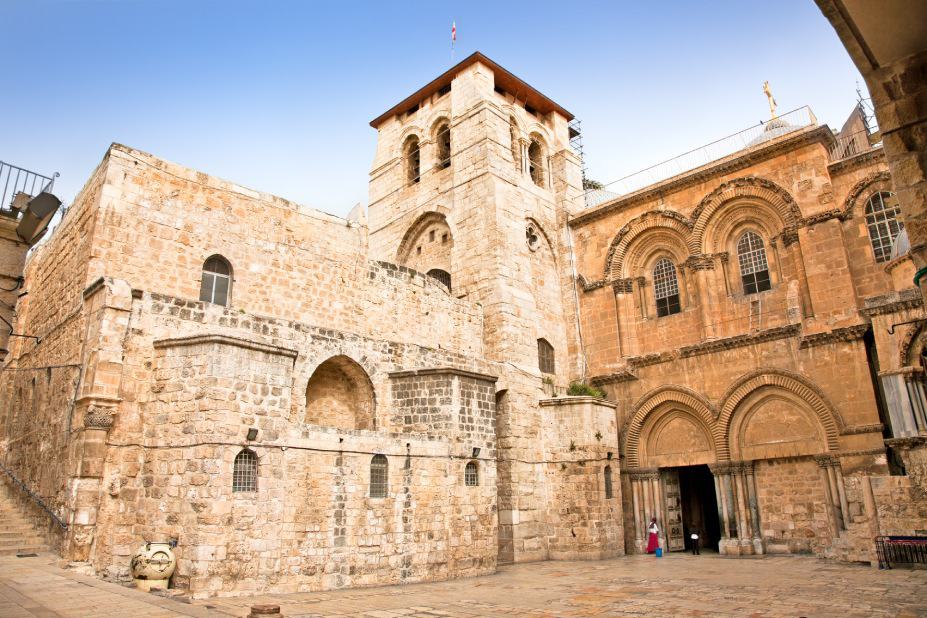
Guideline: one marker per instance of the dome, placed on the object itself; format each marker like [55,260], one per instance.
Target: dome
[777,127]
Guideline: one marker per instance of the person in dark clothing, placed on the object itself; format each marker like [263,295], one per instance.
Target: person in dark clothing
[695,538]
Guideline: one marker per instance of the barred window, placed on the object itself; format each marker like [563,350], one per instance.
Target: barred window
[665,288]
[379,473]
[882,220]
[244,474]
[754,270]
[413,158]
[608,482]
[441,275]
[545,356]
[471,474]
[443,138]
[217,281]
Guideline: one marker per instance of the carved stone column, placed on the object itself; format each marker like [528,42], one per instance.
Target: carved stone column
[720,505]
[730,543]
[830,491]
[744,524]
[750,482]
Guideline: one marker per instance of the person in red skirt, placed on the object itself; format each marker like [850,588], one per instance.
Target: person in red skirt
[653,540]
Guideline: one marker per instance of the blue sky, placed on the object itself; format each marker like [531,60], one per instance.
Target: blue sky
[278,95]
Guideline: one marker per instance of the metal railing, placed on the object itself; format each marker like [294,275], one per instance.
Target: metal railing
[754,136]
[853,144]
[901,550]
[15,180]
[35,497]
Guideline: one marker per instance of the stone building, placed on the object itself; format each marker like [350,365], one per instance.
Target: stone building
[306,402]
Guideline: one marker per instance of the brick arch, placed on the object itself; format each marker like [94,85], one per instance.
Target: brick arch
[745,187]
[617,250]
[790,382]
[416,229]
[699,407]
[876,180]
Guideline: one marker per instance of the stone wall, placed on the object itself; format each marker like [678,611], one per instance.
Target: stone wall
[793,506]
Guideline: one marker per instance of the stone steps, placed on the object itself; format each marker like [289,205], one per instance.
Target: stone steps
[17,535]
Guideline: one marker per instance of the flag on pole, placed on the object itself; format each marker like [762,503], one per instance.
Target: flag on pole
[453,31]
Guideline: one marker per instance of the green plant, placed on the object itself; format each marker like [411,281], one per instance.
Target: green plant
[578,389]
[572,445]
[549,381]
[598,435]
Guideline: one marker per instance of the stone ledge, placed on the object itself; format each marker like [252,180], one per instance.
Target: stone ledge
[570,400]
[849,333]
[176,342]
[433,371]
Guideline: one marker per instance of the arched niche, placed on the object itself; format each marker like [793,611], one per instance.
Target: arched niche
[427,245]
[772,422]
[340,395]
[675,436]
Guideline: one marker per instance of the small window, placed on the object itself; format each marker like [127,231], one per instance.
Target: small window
[441,275]
[244,474]
[536,162]
[413,157]
[443,139]
[545,356]
[608,482]
[444,90]
[379,469]
[882,220]
[471,474]
[754,270]
[665,288]
[431,236]
[443,238]
[216,284]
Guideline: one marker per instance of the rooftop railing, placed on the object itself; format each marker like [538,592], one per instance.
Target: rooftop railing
[15,180]
[847,146]
[754,136]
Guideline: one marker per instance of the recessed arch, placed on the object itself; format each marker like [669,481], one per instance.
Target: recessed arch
[340,394]
[407,253]
[658,402]
[750,188]
[792,383]
[669,220]
[774,422]
[877,181]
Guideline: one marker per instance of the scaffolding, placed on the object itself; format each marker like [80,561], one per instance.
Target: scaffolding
[576,143]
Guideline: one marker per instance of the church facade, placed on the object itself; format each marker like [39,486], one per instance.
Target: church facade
[305,402]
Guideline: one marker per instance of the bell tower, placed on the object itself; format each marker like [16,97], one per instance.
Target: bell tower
[472,182]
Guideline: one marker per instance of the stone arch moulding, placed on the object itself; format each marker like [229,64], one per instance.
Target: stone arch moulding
[876,180]
[745,187]
[540,228]
[614,260]
[907,344]
[688,399]
[797,385]
[417,228]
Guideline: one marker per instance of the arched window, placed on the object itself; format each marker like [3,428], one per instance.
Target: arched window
[608,482]
[545,356]
[244,474]
[882,220]
[441,275]
[216,284]
[443,141]
[536,161]
[413,159]
[471,474]
[754,270]
[379,476]
[665,288]
[516,147]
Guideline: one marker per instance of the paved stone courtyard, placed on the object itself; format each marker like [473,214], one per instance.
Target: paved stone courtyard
[678,585]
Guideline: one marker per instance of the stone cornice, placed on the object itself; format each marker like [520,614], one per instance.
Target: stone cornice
[246,344]
[860,160]
[892,303]
[571,400]
[849,333]
[589,286]
[907,443]
[625,375]
[771,334]
[701,174]
[436,371]
[853,430]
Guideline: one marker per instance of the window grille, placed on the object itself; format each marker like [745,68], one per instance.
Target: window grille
[545,356]
[444,145]
[754,270]
[471,474]
[216,281]
[441,275]
[665,288]
[413,160]
[536,162]
[882,220]
[244,474]
[608,482]
[378,476]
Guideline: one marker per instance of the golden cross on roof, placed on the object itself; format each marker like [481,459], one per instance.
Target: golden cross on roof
[772,100]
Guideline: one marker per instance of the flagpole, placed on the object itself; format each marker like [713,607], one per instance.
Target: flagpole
[453,38]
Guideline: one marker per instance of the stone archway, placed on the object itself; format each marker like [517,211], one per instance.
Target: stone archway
[340,395]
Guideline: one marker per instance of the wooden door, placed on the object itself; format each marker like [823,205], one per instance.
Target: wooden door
[675,539]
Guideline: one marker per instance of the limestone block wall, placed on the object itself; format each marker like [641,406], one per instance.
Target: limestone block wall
[793,506]
[12,260]
[197,377]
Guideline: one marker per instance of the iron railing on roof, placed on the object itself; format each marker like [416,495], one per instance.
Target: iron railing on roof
[756,135]
[847,146]
[14,179]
